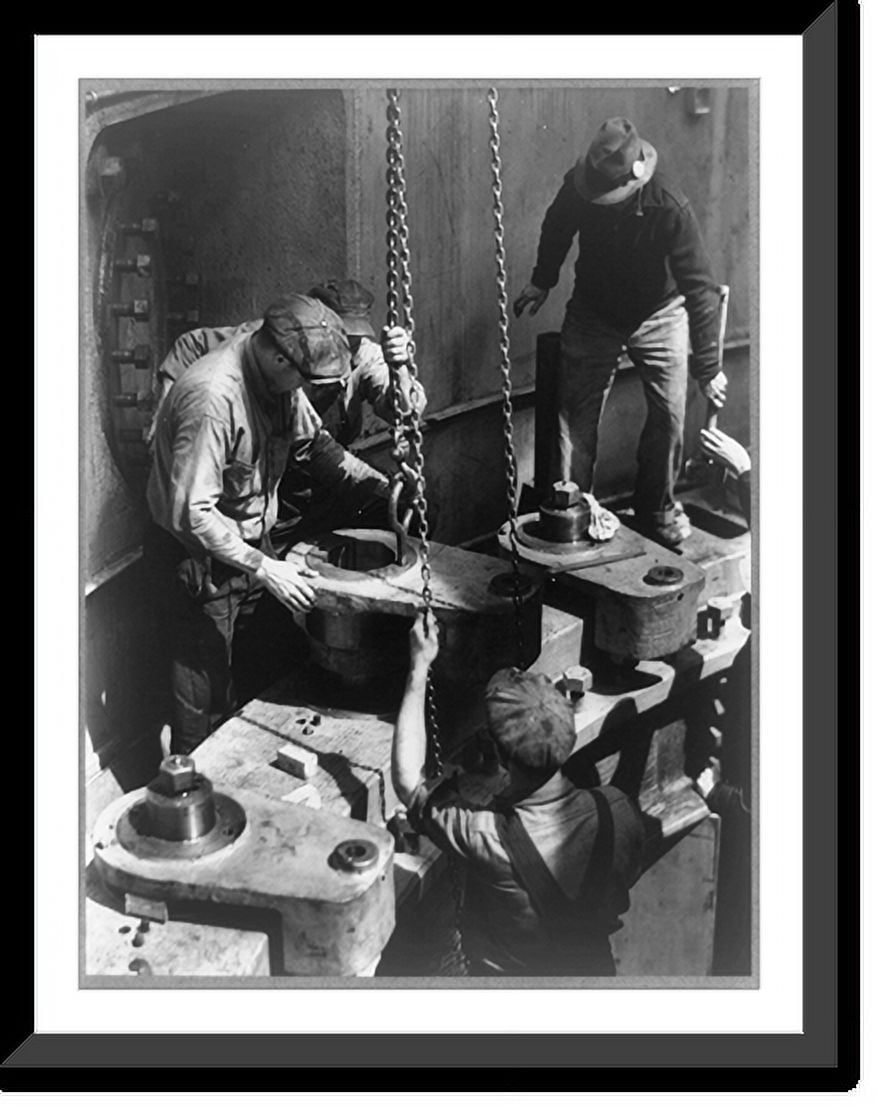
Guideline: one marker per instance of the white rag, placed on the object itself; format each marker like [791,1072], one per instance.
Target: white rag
[603,524]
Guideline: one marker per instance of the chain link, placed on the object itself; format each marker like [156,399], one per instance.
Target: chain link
[506,373]
[400,312]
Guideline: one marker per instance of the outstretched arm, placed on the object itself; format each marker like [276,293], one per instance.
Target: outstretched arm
[409,753]
[559,227]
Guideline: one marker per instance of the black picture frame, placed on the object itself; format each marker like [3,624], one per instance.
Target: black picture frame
[826,1056]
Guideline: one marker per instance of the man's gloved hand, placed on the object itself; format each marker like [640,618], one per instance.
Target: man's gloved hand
[532,295]
[715,389]
[395,345]
[288,583]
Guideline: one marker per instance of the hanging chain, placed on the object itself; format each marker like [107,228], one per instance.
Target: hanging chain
[394,278]
[400,311]
[506,374]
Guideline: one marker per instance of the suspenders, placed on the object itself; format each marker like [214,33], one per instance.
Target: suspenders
[569,922]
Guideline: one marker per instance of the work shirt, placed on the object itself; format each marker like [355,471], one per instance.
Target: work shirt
[338,406]
[634,259]
[369,382]
[222,442]
[501,930]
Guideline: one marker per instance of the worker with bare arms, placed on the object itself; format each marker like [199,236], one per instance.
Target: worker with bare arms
[548,865]
[641,276]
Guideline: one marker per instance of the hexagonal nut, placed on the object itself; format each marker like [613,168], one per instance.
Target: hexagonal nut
[177,773]
[577,680]
[565,494]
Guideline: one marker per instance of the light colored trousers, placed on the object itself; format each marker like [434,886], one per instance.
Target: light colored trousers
[590,353]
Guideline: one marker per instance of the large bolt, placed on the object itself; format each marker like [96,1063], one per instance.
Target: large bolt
[144,227]
[577,681]
[140,356]
[565,494]
[140,263]
[134,309]
[177,774]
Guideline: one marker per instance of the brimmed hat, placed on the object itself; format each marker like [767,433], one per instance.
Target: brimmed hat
[617,164]
[351,302]
[530,720]
[311,335]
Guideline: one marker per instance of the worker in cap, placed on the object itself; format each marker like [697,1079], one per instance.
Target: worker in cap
[547,865]
[224,434]
[643,285]
[370,381]
[347,404]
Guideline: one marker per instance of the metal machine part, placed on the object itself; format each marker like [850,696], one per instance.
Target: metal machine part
[180,815]
[178,841]
[360,646]
[565,556]
[364,553]
[358,630]
[663,576]
[565,516]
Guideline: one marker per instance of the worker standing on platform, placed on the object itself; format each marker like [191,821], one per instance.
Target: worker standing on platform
[222,442]
[642,270]
[548,867]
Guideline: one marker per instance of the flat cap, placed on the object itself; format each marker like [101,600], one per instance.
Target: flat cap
[351,301]
[311,335]
[529,719]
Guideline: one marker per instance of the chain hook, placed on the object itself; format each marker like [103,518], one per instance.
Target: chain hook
[400,312]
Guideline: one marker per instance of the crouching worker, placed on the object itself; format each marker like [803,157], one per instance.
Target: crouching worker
[548,866]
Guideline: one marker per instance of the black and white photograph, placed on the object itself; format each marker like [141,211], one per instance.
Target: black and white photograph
[439,572]
[418,538]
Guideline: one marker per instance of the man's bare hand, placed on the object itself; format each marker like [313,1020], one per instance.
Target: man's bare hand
[715,389]
[395,346]
[532,295]
[424,641]
[288,583]
[725,450]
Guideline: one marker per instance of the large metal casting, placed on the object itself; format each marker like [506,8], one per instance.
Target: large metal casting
[329,878]
[360,585]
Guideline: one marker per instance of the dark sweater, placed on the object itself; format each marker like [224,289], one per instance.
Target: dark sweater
[635,258]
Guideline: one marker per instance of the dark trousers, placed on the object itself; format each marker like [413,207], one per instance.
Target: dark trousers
[590,353]
[216,626]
